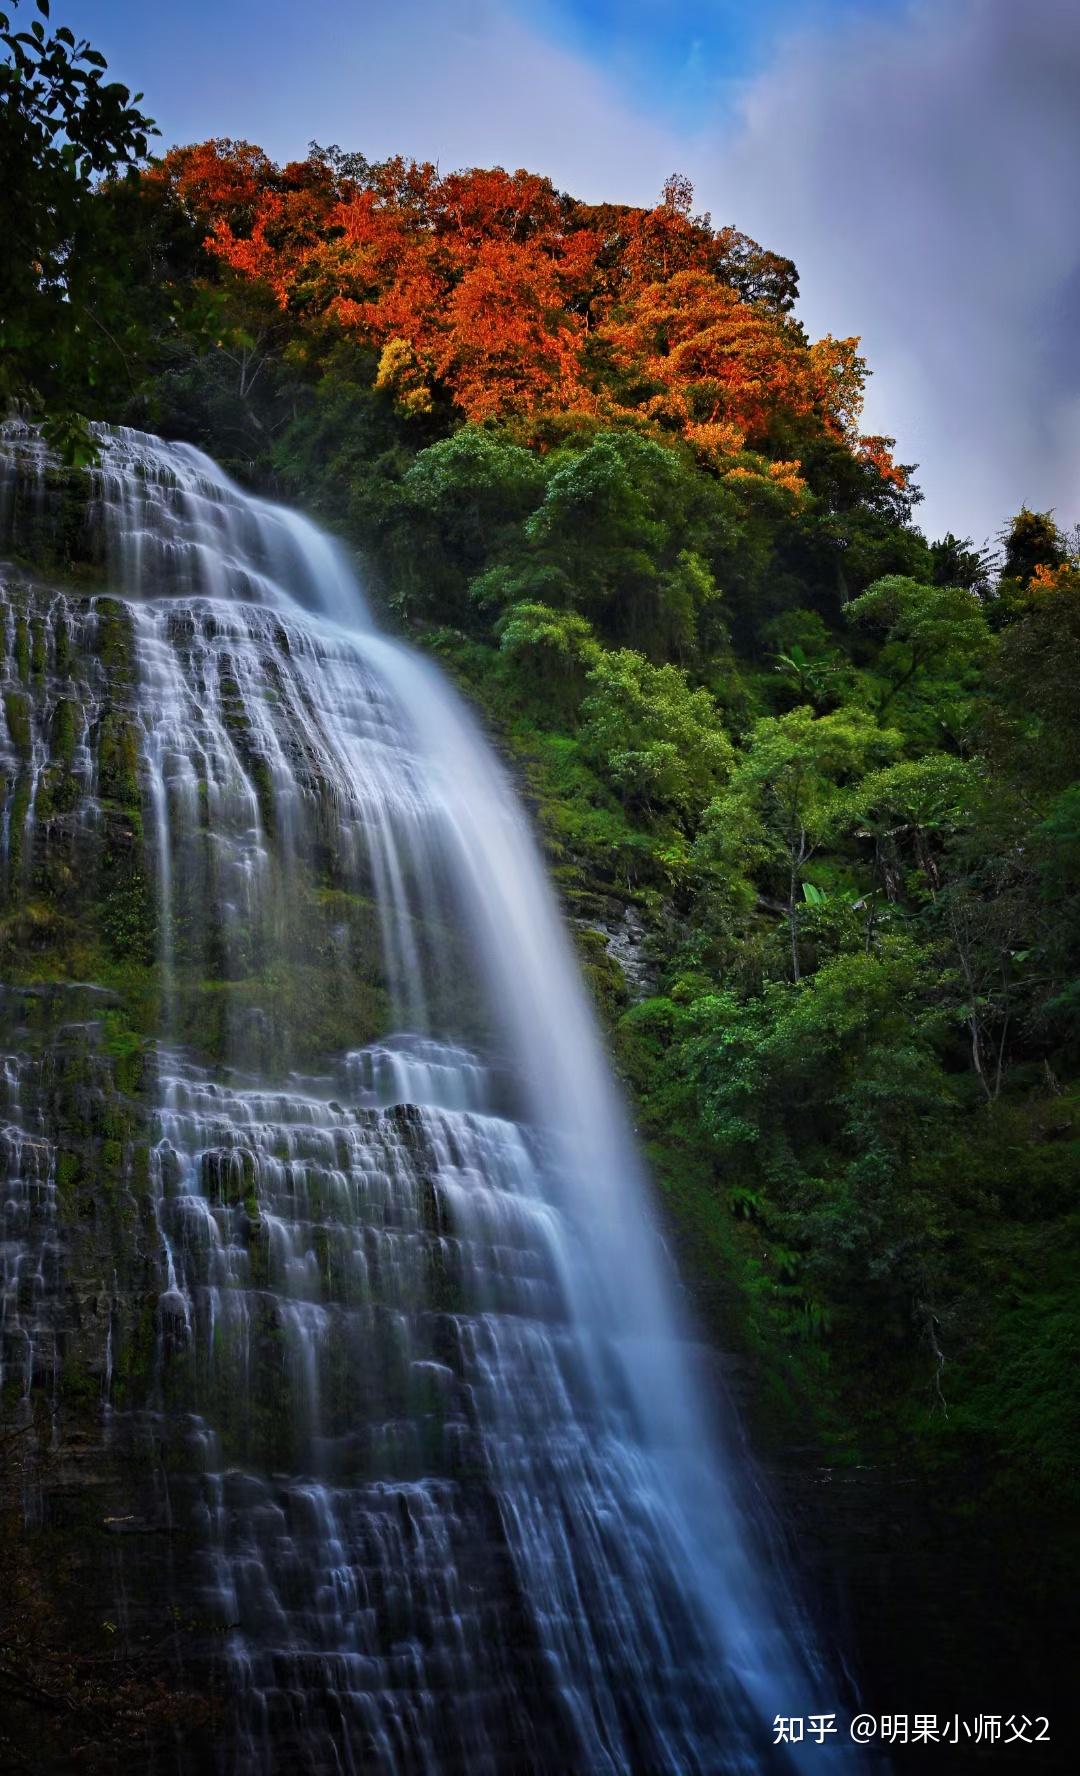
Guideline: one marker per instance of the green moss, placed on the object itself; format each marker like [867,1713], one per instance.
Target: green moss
[603,974]
[68,1173]
[58,793]
[116,641]
[17,714]
[258,769]
[22,648]
[140,1172]
[79,1386]
[126,903]
[112,1157]
[17,832]
[127,1048]
[65,730]
[233,711]
[118,759]
[126,910]
[304,999]
[39,648]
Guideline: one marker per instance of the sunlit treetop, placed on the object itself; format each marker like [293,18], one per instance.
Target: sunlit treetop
[495,295]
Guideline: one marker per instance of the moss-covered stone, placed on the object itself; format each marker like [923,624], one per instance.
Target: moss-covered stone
[17,715]
[118,759]
[22,647]
[39,649]
[66,723]
[116,642]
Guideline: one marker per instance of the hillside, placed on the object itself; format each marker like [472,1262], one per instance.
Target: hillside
[589,458]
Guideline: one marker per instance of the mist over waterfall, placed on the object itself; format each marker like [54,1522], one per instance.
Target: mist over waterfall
[375,1332]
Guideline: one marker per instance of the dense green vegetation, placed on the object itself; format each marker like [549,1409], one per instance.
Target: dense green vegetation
[830,762]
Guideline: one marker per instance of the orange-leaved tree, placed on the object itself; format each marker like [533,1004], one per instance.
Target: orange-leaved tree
[498,296]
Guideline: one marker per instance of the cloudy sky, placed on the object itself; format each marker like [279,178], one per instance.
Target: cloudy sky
[917,158]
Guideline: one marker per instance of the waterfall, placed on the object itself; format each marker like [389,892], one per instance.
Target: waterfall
[418,1385]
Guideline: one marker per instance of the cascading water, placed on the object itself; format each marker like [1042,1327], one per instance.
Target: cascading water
[417,1390]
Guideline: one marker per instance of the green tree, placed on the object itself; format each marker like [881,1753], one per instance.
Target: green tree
[1039,675]
[1056,844]
[805,658]
[923,630]
[617,531]
[551,651]
[786,797]
[957,563]
[657,740]
[820,1095]
[924,800]
[457,510]
[65,329]
[1032,541]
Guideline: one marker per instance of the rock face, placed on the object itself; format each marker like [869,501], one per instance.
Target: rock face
[625,942]
[344,1425]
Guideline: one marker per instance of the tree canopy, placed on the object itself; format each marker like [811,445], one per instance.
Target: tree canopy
[64,327]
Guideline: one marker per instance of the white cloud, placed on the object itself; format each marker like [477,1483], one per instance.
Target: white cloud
[463,83]
[921,170]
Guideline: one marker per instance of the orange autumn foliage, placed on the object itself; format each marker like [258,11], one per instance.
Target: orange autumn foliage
[498,293]
[1047,578]
[877,451]
[508,344]
[217,178]
[709,357]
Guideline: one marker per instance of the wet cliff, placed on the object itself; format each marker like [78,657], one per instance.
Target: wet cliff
[348,1422]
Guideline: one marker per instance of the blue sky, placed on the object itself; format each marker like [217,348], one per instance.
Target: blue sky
[682,58]
[917,159]
[681,61]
